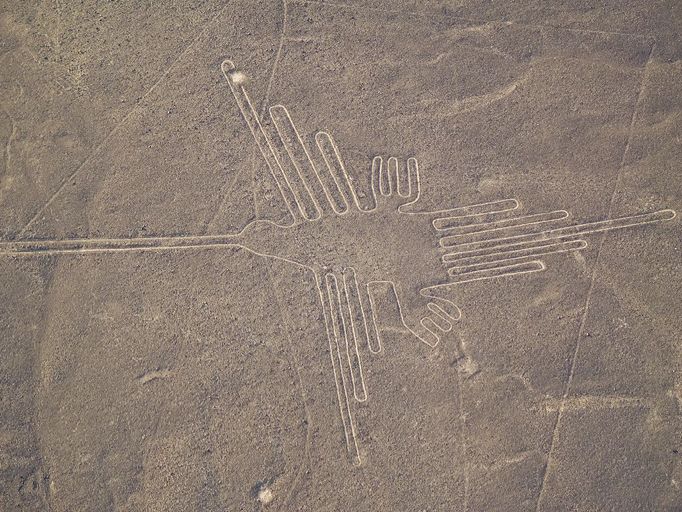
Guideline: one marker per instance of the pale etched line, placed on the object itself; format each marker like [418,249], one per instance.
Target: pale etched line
[350,332]
[386,182]
[472,211]
[392,172]
[423,335]
[282,37]
[439,317]
[115,129]
[114,244]
[294,362]
[501,249]
[427,329]
[577,230]
[209,222]
[399,185]
[298,179]
[85,251]
[463,426]
[494,209]
[502,271]
[340,334]
[403,181]
[443,306]
[333,351]
[384,179]
[488,230]
[427,334]
[290,151]
[430,325]
[263,142]
[415,186]
[440,321]
[377,164]
[330,154]
[342,203]
[504,224]
[479,262]
[337,326]
[374,320]
[369,331]
[583,320]
[442,315]
[316,177]
[383,186]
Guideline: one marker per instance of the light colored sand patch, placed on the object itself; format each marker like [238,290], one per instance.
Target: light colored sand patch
[265,496]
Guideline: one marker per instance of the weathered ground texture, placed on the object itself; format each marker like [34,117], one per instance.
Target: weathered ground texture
[201,379]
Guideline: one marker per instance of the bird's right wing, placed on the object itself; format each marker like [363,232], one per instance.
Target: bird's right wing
[477,248]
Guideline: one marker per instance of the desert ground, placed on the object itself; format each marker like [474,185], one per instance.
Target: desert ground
[341,256]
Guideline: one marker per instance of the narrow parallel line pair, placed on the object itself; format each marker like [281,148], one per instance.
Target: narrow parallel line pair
[476,247]
[307,192]
[350,331]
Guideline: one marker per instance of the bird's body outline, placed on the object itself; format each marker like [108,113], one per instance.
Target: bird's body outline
[465,243]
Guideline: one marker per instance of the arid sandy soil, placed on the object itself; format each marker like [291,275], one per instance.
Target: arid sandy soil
[210,304]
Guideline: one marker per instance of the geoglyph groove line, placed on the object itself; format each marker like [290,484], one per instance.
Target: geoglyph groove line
[384,180]
[440,317]
[89,245]
[337,169]
[504,224]
[333,354]
[373,329]
[349,427]
[350,341]
[500,271]
[438,310]
[285,144]
[357,327]
[576,346]
[403,181]
[112,250]
[465,221]
[576,230]
[490,230]
[478,262]
[502,249]
[473,211]
[394,181]
[304,164]
[105,140]
[350,313]
[235,79]
[391,176]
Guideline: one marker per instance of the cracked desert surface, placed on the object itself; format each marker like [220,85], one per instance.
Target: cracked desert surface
[301,255]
